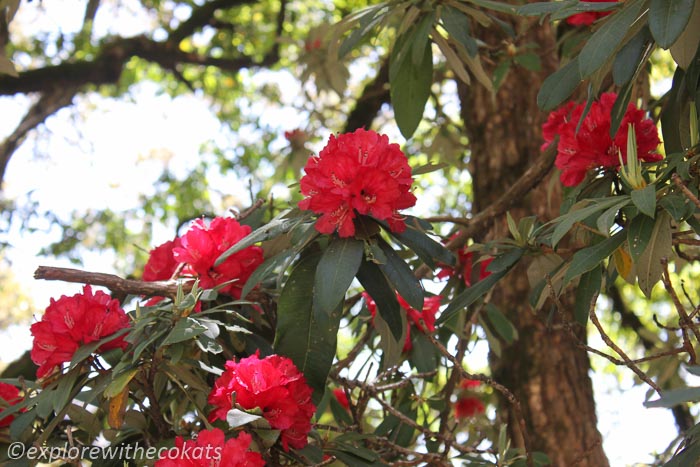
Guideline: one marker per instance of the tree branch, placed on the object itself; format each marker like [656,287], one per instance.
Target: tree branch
[114,283]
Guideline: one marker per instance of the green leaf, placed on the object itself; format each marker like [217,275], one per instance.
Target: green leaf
[368,19]
[688,456]
[377,286]
[391,345]
[607,219]
[185,329]
[668,19]
[501,324]
[543,8]
[335,272]
[559,86]
[606,40]
[529,61]
[629,57]
[565,222]
[660,245]
[307,337]
[400,275]
[620,108]
[427,249]
[588,287]
[277,226]
[119,382]
[423,354]
[505,261]
[588,258]
[495,6]
[456,24]
[420,41]
[471,294]
[674,397]
[638,235]
[645,200]
[86,350]
[265,269]
[409,86]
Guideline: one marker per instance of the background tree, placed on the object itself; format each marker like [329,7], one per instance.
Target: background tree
[420,57]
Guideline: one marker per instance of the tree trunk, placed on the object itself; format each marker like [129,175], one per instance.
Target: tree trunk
[544,368]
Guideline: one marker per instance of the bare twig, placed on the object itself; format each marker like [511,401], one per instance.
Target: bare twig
[684,320]
[114,283]
[689,194]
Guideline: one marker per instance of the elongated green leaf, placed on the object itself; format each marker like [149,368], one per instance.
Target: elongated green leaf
[275,227]
[620,108]
[427,249]
[606,40]
[501,324]
[559,86]
[668,19]
[120,382]
[185,329]
[495,6]
[543,8]
[565,222]
[645,200]
[675,396]
[629,57]
[409,86]
[456,24]
[638,236]
[506,260]
[401,277]
[588,258]
[88,349]
[377,286]
[368,19]
[391,345]
[588,287]
[471,295]
[335,272]
[307,337]
[607,219]
[421,39]
[660,245]
[265,269]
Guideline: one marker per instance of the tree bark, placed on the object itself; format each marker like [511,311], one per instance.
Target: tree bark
[545,367]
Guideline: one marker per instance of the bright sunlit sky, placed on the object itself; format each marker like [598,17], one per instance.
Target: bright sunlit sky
[121,155]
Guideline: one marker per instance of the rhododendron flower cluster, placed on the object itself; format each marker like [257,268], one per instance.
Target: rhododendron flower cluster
[588,17]
[71,322]
[357,173]
[424,320]
[341,397]
[10,395]
[467,404]
[198,250]
[465,266]
[272,384]
[211,449]
[592,146]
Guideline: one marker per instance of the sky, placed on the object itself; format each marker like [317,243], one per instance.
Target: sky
[128,143]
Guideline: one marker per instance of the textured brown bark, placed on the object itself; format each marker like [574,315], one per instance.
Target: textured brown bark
[544,368]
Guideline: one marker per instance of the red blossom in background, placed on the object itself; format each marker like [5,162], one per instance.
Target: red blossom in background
[357,173]
[202,245]
[71,322]
[469,384]
[589,17]
[592,146]
[10,395]
[272,384]
[424,320]
[161,263]
[465,265]
[211,449]
[469,406]
[341,397]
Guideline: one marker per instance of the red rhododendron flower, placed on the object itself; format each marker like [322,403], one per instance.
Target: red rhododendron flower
[592,146]
[424,320]
[341,397]
[465,261]
[71,322]
[161,263]
[272,384]
[467,407]
[202,245]
[588,17]
[469,384]
[211,449]
[357,173]
[10,395]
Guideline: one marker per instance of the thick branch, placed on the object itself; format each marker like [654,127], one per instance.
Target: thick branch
[374,95]
[114,283]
